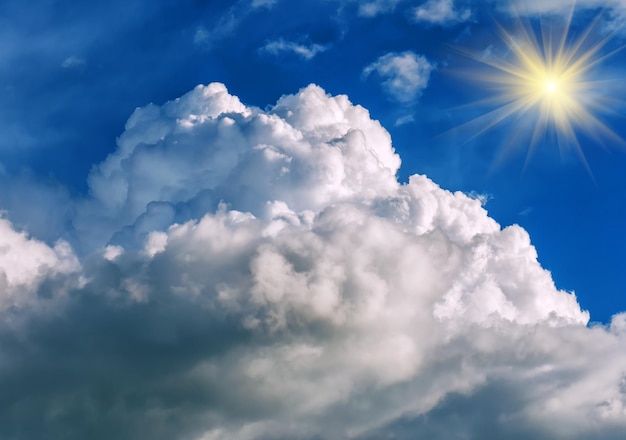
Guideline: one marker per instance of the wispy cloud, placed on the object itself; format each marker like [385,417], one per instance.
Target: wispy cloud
[228,23]
[306,51]
[73,61]
[374,7]
[263,3]
[403,120]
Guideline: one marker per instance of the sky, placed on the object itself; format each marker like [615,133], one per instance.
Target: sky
[268,219]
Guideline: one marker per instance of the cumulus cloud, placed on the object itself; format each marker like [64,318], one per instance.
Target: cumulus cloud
[163,171]
[404,74]
[26,264]
[262,274]
[303,50]
[441,12]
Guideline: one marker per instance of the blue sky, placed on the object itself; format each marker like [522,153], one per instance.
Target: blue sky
[73,74]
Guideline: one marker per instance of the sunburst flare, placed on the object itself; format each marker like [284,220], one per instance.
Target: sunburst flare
[546,77]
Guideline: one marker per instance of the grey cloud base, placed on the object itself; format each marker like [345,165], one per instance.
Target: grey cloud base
[261,274]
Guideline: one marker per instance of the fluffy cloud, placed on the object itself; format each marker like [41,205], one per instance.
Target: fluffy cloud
[404,74]
[305,51]
[262,274]
[179,161]
[441,12]
[26,264]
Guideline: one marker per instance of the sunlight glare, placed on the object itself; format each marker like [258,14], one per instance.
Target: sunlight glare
[546,78]
[550,86]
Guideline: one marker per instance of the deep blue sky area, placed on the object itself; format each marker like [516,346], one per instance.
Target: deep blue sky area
[73,72]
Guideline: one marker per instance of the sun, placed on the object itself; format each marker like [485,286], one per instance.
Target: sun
[545,76]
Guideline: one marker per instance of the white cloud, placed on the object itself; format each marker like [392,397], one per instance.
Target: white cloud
[404,74]
[296,153]
[375,7]
[26,263]
[441,12]
[111,253]
[303,50]
[273,279]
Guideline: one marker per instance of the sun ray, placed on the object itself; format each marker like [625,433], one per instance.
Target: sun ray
[546,78]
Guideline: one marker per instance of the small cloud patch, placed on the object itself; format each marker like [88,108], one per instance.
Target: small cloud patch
[405,75]
[305,51]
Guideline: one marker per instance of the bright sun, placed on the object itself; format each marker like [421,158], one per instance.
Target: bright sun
[547,78]
[550,86]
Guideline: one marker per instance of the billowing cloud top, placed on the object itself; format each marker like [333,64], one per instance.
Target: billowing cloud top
[182,159]
[262,274]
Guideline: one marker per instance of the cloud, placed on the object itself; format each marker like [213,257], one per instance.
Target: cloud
[228,22]
[27,264]
[162,171]
[555,6]
[405,119]
[613,21]
[201,36]
[262,274]
[73,62]
[263,3]
[404,74]
[440,12]
[305,51]
[376,7]
[225,27]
